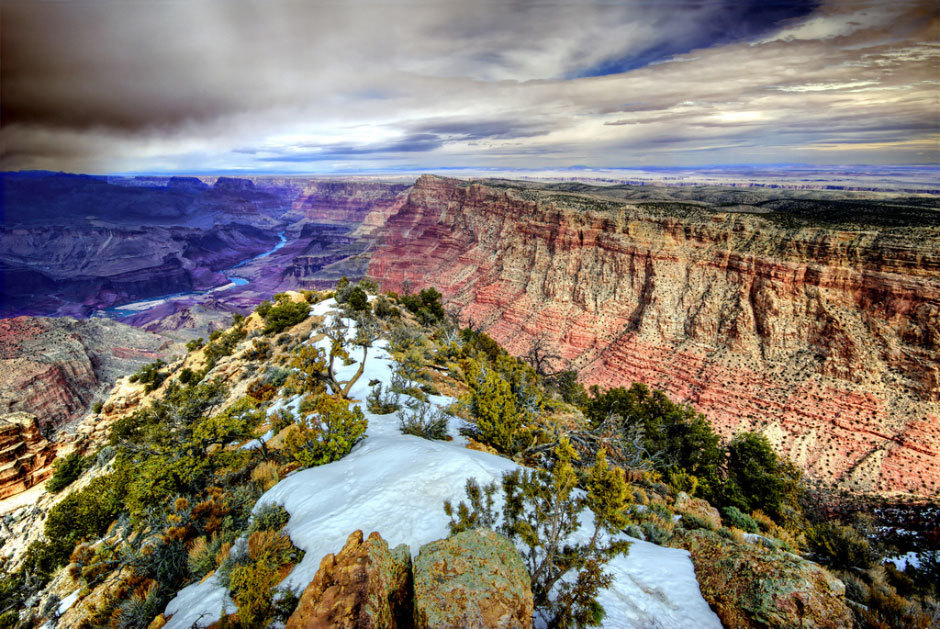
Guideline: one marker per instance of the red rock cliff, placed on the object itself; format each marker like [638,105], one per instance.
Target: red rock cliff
[828,340]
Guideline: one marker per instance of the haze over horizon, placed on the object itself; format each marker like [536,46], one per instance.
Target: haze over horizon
[329,87]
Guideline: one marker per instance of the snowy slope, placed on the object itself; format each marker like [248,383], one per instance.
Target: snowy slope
[396,484]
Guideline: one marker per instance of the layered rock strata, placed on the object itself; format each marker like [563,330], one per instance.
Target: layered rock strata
[51,370]
[826,336]
[25,455]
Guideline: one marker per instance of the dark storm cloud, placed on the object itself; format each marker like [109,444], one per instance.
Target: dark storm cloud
[111,85]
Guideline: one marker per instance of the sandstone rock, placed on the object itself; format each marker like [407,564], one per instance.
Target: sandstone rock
[698,507]
[825,338]
[365,585]
[753,587]
[25,455]
[475,579]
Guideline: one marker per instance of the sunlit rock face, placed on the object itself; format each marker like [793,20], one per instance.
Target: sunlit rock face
[54,368]
[822,334]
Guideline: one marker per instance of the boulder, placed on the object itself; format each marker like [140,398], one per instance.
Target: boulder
[364,585]
[475,579]
[750,586]
[698,507]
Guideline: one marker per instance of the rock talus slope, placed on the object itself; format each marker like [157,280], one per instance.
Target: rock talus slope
[824,336]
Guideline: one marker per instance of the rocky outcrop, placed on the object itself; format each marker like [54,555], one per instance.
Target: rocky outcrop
[25,455]
[474,579]
[751,588]
[51,370]
[364,586]
[698,508]
[824,335]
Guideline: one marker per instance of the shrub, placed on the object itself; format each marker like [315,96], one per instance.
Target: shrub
[203,556]
[326,434]
[382,402]
[734,517]
[66,470]
[674,435]
[757,478]
[498,423]
[426,306]
[151,376]
[840,546]
[384,309]
[96,407]
[86,513]
[657,530]
[252,582]
[140,609]
[266,475]
[186,375]
[691,522]
[282,314]
[358,301]
[270,517]
[540,512]
[423,419]
[259,350]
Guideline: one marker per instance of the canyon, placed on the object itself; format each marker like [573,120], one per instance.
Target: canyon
[816,321]
[810,315]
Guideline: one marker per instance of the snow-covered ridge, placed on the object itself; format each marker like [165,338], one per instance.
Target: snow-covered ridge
[396,484]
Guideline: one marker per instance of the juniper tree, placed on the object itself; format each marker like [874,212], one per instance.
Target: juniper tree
[540,513]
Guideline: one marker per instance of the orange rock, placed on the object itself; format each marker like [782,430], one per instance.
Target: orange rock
[363,586]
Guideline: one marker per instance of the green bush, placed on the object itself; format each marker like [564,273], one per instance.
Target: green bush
[96,407]
[252,581]
[540,512]
[66,470]
[384,309]
[691,522]
[840,546]
[358,301]
[426,306]
[734,517]
[282,314]
[498,422]
[89,512]
[675,436]
[151,376]
[327,433]
[270,517]
[193,345]
[757,479]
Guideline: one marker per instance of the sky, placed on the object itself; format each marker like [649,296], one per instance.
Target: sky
[109,86]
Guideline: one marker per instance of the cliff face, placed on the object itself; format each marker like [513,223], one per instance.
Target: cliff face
[25,455]
[51,370]
[825,337]
[347,202]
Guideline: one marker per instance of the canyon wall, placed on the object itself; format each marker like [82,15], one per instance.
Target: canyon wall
[51,370]
[823,335]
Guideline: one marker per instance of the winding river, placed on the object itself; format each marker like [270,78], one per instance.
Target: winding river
[136,307]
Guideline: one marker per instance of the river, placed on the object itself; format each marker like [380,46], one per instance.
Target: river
[132,308]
